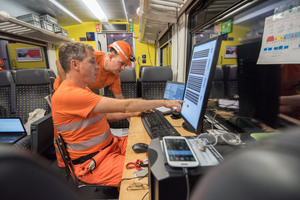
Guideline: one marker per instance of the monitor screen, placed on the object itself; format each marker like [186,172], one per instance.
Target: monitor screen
[11,125]
[202,66]
[174,90]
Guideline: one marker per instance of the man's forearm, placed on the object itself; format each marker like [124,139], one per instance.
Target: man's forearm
[119,96]
[111,117]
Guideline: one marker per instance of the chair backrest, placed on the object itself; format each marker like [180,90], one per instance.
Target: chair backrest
[52,77]
[217,88]
[28,176]
[32,86]
[7,90]
[142,68]
[129,90]
[154,81]
[128,82]
[88,191]
[66,158]
[139,80]
[232,81]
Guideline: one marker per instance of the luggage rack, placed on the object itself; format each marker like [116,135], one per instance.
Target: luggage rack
[17,27]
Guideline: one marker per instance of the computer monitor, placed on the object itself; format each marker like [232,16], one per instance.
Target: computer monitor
[174,90]
[201,72]
[258,86]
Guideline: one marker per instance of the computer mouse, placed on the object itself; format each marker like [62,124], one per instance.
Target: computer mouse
[175,115]
[140,147]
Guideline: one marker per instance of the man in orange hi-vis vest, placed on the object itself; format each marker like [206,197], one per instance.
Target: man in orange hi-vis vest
[108,73]
[81,117]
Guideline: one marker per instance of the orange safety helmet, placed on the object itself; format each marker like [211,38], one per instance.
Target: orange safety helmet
[124,50]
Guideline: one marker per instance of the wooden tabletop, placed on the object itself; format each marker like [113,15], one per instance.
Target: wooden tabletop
[136,134]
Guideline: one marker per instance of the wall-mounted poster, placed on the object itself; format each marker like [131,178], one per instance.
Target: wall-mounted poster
[90,36]
[29,54]
[230,52]
[82,39]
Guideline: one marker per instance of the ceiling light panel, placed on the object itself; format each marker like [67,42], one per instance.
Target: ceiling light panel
[95,8]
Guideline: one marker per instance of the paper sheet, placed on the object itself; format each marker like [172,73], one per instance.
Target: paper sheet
[281,38]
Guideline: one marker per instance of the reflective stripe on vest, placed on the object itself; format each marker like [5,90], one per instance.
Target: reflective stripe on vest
[78,125]
[88,143]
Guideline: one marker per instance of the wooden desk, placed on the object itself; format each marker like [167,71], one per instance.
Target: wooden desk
[137,133]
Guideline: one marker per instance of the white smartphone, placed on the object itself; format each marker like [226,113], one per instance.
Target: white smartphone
[178,152]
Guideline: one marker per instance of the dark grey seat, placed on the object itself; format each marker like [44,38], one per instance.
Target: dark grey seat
[153,81]
[28,176]
[217,88]
[89,191]
[32,86]
[129,90]
[7,91]
[139,84]
[231,81]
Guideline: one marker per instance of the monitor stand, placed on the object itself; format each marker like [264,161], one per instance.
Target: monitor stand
[188,127]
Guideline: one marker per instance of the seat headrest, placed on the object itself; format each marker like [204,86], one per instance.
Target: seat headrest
[141,69]
[153,74]
[6,78]
[51,73]
[218,74]
[267,170]
[32,77]
[128,75]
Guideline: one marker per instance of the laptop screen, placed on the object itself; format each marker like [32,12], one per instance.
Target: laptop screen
[13,125]
[174,91]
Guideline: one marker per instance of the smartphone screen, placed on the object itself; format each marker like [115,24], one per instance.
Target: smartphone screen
[179,153]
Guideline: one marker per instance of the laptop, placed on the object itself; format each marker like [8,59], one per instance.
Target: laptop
[173,91]
[11,130]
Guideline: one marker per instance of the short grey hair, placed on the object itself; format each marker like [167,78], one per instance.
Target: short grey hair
[72,50]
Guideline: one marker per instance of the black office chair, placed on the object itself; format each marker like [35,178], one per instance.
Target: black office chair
[28,176]
[88,191]
[268,170]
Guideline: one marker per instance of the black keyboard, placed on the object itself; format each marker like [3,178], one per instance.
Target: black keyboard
[158,126]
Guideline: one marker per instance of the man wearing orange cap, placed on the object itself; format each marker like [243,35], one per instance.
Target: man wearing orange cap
[81,117]
[111,64]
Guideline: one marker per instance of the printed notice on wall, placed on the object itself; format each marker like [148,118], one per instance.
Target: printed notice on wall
[281,38]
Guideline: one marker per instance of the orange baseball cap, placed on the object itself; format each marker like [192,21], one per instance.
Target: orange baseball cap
[124,50]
